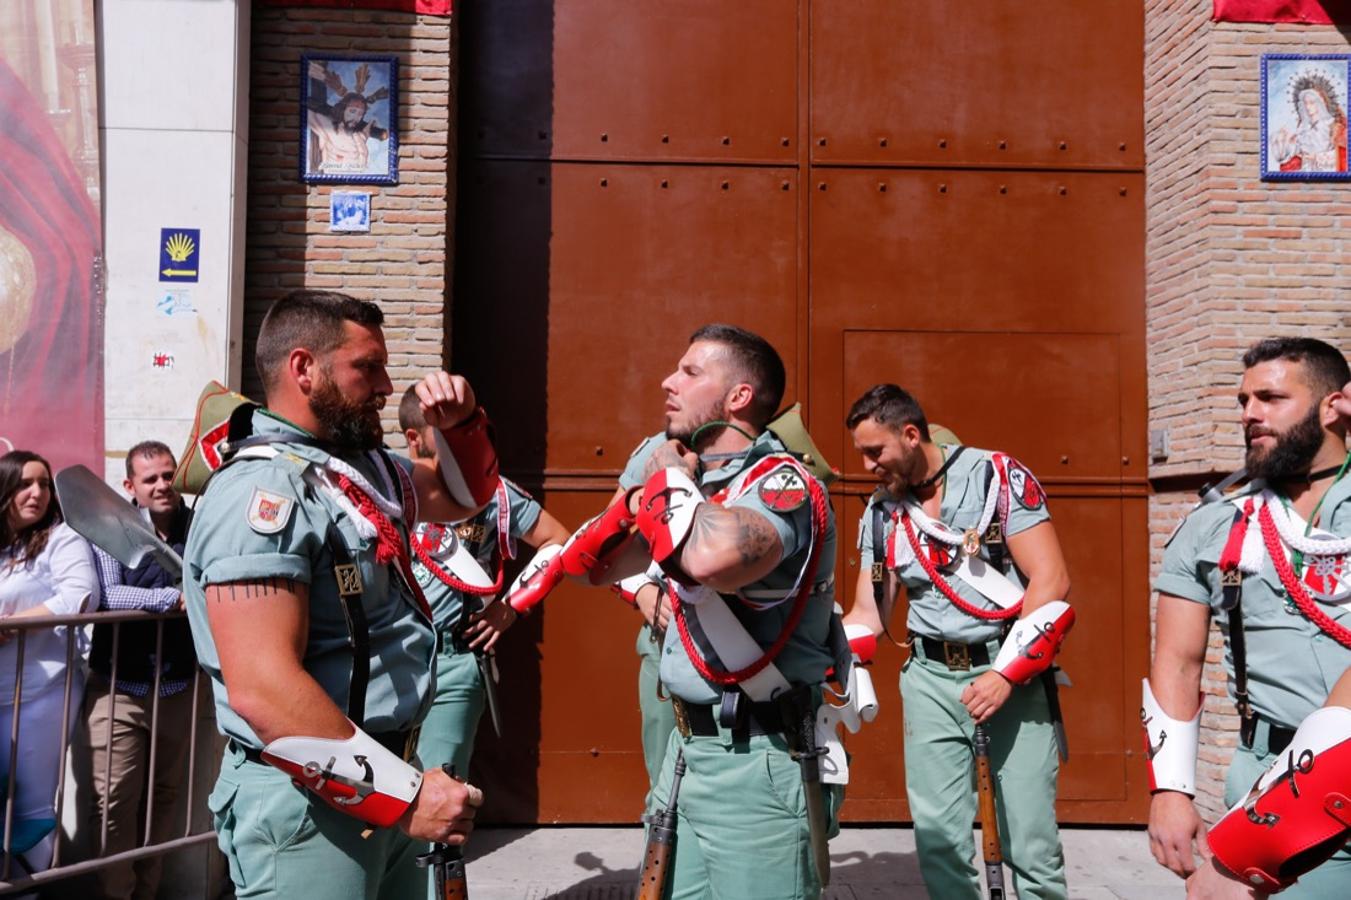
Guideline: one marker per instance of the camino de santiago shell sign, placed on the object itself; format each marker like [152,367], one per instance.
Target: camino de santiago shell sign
[51,344]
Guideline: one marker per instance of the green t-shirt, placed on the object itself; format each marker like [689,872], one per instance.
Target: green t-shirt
[806,656]
[260,518]
[965,488]
[1292,665]
[481,536]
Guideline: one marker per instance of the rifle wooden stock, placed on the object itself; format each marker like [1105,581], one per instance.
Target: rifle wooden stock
[989,817]
[661,835]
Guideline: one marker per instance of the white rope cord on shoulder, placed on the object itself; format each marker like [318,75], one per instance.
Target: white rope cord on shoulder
[391,508]
[1318,543]
[940,531]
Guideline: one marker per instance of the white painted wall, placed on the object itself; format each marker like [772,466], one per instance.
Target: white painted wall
[174,78]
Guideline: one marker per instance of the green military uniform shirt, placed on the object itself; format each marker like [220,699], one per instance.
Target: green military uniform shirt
[1292,665]
[481,537]
[260,519]
[806,656]
[965,488]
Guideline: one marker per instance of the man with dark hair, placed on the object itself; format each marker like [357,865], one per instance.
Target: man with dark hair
[739,544]
[967,535]
[469,620]
[1270,562]
[123,715]
[309,620]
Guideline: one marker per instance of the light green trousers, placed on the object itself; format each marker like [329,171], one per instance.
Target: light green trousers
[741,828]
[1331,880]
[452,721]
[939,781]
[658,716]
[283,842]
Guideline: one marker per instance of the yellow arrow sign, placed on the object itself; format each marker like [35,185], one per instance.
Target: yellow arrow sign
[175,272]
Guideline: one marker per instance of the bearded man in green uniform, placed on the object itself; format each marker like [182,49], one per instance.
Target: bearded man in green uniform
[307,617]
[1271,563]
[966,533]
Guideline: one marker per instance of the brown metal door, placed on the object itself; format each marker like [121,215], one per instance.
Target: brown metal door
[947,195]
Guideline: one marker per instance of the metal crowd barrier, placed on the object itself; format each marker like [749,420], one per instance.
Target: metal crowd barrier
[60,870]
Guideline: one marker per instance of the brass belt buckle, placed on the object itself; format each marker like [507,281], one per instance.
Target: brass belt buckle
[957,656]
[349,579]
[682,718]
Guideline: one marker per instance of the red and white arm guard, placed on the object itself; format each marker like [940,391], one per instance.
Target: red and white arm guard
[1034,641]
[1170,746]
[537,580]
[862,641]
[666,515]
[628,588]
[593,548]
[468,459]
[1298,814]
[356,776]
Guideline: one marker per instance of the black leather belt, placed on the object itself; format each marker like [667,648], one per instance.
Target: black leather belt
[697,720]
[1278,737]
[958,657]
[402,744]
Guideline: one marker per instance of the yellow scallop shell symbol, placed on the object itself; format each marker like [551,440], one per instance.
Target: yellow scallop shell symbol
[179,247]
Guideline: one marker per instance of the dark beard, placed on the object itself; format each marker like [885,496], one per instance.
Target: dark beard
[346,425]
[714,413]
[1293,454]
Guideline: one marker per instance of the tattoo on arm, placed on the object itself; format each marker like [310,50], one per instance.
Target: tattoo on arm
[714,526]
[261,587]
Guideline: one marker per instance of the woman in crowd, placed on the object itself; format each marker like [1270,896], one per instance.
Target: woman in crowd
[46,570]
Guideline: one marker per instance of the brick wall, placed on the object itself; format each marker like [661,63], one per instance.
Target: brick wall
[1231,259]
[403,264]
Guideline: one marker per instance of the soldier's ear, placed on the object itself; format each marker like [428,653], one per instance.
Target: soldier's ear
[302,368]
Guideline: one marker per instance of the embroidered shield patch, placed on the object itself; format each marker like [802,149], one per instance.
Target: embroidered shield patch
[1325,577]
[783,490]
[268,512]
[1024,486]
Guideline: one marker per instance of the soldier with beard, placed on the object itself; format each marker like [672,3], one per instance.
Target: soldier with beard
[1272,565]
[308,620]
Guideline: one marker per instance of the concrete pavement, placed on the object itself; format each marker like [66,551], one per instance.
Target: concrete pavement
[867,864]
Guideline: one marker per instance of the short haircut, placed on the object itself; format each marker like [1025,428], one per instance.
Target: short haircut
[890,405]
[147,450]
[309,319]
[410,411]
[755,362]
[1325,368]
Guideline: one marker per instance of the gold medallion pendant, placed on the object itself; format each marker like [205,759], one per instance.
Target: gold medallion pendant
[971,542]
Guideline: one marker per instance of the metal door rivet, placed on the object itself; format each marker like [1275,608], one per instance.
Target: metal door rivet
[820,142]
[665,183]
[1125,460]
[881,142]
[1122,191]
[1064,146]
[726,140]
[783,141]
[1003,145]
[1121,146]
[600,451]
[821,186]
[943,143]
[666,139]
[783,185]
[942,189]
[595,751]
[1003,189]
[726,185]
[882,186]
[605,182]
[1063,190]
[1064,460]
[604,137]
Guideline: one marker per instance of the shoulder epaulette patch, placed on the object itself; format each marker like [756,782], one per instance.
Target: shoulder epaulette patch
[268,512]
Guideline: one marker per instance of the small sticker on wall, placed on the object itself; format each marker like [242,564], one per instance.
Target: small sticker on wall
[162,360]
[174,303]
[349,211]
[179,252]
